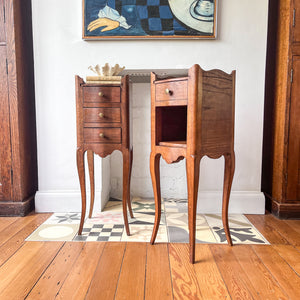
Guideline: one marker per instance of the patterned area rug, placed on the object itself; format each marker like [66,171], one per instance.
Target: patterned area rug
[108,225]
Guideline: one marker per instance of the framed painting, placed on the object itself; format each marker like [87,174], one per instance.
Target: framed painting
[156,19]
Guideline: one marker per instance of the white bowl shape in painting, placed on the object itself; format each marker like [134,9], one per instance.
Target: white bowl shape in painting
[198,14]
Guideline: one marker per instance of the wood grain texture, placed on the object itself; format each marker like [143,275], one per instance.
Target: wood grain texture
[103,126]
[21,98]
[285,230]
[155,177]
[14,228]
[267,230]
[235,278]
[132,276]
[184,279]
[283,274]
[16,241]
[5,222]
[210,281]
[2,24]
[167,90]
[158,276]
[52,279]
[98,269]
[296,28]
[22,271]
[107,273]
[266,286]
[102,115]
[281,162]
[281,86]
[290,254]
[77,283]
[90,159]
[102,135]
[293,155]
[98,94]
[5,151]
[202,126]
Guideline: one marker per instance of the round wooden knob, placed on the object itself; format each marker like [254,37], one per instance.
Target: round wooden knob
[101,135]
[100,94]
[101,115]
[168,92]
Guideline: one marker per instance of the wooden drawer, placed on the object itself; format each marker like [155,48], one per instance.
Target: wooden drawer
[102,135]
[173,90]
[101,94]
[102,115]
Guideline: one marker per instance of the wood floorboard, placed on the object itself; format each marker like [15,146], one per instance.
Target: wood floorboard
[281,271]
[115,270]
[16,241]
[131,283]
[158,274]
[210,280]
[270,233]
[295,224]
[5,222]
[15,227]
[290,254]
[260,277]
[184,279]
[49,284]
[107,272]
[82,272]
[21,272]
[235,278]
[291,235]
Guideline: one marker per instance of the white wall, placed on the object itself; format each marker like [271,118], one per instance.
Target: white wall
[60,53]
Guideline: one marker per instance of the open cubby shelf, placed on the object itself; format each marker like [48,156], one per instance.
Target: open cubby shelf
[171,125]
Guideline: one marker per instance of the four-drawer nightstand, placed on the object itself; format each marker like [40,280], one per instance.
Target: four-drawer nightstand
[102,127]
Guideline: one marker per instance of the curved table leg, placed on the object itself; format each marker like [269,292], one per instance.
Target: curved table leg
[126,188]
[228,177]
[129,179]
[192,174]
[90,159]
[81,174]
[155,176]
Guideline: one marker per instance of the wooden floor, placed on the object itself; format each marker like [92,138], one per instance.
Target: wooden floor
[112,270]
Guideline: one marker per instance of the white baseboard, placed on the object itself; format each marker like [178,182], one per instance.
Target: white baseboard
[240,202]
[208,202]
[66,201]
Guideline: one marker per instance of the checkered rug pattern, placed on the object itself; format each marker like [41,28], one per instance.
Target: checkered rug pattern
[108,225]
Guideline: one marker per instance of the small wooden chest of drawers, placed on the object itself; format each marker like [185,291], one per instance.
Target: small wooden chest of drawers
[102,127]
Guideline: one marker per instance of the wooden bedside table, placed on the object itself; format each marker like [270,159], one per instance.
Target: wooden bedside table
[191,117]
[102,127]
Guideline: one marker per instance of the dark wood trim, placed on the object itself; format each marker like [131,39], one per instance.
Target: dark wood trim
[13,208]
[282,210]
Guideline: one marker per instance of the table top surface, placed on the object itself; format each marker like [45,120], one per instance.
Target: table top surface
[143,75]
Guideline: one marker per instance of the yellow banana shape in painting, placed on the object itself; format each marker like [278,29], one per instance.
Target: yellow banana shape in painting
[108,24]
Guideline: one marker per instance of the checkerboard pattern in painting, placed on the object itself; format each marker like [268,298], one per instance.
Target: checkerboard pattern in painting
[155,16]
[109,225]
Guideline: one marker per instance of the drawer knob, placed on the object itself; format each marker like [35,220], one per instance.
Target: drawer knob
[101,115]
[100,94]
[168,92]
[101,135]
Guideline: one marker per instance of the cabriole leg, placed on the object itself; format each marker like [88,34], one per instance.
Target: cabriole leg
[192,172]
[81,174]
[155,176]
[228,177]
[90,159]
